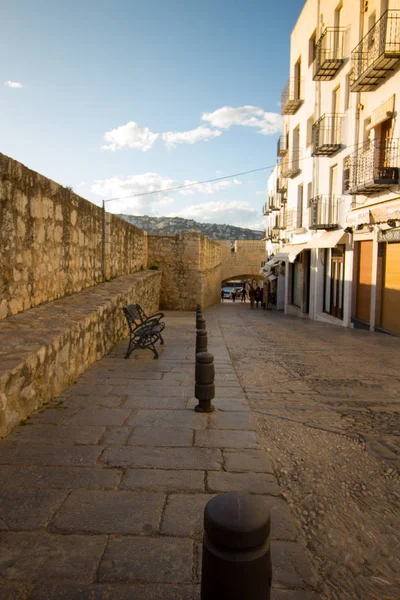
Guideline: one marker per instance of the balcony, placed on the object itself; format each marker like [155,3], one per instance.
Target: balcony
[329,54]
[281,184]
[280,222]
[290,164]
[283,145]
[266,209]
[293,219]
[378,53]
[291,96]
[327,135]
[275,202]
[325,212]
[373,167]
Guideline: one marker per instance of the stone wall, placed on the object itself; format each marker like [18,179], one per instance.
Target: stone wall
[190,264]
[51,241]
[245,259]
[45,349]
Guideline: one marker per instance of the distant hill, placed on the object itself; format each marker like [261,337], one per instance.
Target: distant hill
[178,225]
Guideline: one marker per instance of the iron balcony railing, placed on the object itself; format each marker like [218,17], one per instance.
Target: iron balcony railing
[292,96]
[280,222]
[378,53]
[374,166]
[266,209]
[283,145]
[327,135]
[293,219]
[329,53]
[290,164]
[275,202]
[325,212]
[281,184]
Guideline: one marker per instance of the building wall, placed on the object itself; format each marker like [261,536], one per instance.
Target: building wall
[245,259]
[51,241]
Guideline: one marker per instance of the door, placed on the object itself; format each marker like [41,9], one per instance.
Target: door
[335,116]
[385,159]
[391,289]
[364,281]
[337,281]
[332,216]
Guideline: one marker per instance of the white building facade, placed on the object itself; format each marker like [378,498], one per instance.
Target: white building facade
[333,200]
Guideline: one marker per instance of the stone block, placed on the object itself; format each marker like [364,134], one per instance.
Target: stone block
[184,514]
[222,438]
[26,510]
[160,436]
[155,402]
[231,420]
[152,560]
[163,458]
[166,418]
[42,557]
[61,478]
[290,566]
[57,435]
[35,454]
[116,436]
[294,595]
[100,417]
[247,460]
[113,512]
[109,591]
[255,483]
[156,480]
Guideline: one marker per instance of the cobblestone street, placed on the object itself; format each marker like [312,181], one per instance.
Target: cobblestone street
[327,403]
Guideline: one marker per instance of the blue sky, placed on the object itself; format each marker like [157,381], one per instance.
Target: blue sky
[117,98]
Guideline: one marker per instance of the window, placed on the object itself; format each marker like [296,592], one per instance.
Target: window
[336,100]
[309,194]
[312,48]
[310,122]
[367,131]
[297,80]
[299,220]
[347,94]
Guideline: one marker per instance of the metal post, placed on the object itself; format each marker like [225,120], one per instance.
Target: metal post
[236,548]
[200,323]
[201,340]
[204,389]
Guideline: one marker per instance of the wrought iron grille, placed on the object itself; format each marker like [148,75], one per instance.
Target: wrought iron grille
[325,212]
[275,202]
[374,165]
[329,53]
[283,145]
[266,209]
[291,96]
[377,53]
[290,164]
[327,135]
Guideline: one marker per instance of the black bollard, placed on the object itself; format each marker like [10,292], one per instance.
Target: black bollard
[204,389]
[236,548]
[201,340]
[200,323]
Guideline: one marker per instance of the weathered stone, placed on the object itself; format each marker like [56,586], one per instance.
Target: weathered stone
[222,438]
[163,458]
[294,595]
[57,435]
[184,514]
[167,418]
[109,591]
[149,402]
[43,557]
[155,560]
[160,436]
[156,480]
[247,460]
[29,454]
[61,478]
[25,510]
[256,483]
[116,435]
[110,512]
[231,420]
[290,567]
[100,416]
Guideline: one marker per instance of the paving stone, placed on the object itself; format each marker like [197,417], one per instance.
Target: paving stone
[113,512]
[163,458]
[230,392]
[167,418]
[219,438]
[116,436]
[154,560]
[86,389]
[37,556]
[155,480]
[247,460]
[61,478]
[294,595]
[79,402]
[184,514]
[12,453]
[282,522]
[23,510]
[155,402]
[53,416]
[223,404]
[100,416]
[152,436]
[231,420]
[15,591]
[57,435]
[290,567]
[107,591]
[256,483]
[159,391]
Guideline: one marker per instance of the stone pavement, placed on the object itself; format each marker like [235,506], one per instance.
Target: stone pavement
[103,491]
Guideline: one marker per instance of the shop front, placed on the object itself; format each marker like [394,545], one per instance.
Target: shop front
[389,264]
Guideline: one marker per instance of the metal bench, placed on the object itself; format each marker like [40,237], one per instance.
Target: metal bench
[142,333]
[142,315]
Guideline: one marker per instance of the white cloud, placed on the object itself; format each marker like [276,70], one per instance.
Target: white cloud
[202,133]
[13,84]
[267,123]
[129,136]
[236,213]
[209,188]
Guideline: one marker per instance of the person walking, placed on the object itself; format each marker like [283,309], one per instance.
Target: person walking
[252,294]
[243,295]
[222,295]
[233,294]
[257,295]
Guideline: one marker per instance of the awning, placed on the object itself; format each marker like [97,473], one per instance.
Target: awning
[272,262]
[290,251]
[327,239]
